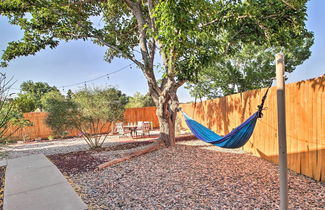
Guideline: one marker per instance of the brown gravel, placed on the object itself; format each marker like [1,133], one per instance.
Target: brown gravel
[78,162]
[186,177]
[2,184]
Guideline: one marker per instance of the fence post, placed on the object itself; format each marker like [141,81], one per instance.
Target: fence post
[280,67]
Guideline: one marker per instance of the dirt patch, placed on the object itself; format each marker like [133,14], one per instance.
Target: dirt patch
[84,161]
[125,146]
[75,162]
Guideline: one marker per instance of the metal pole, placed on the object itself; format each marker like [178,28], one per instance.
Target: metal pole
[279,59]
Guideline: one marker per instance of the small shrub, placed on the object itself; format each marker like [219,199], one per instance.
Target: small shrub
[88,111]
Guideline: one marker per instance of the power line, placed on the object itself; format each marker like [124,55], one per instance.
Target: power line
[91,80]
[97,78]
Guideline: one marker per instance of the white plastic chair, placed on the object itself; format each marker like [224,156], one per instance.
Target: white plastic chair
[145,128]
[120,129]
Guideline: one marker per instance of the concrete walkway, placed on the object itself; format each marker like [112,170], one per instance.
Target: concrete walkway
[3,163]
[35,183]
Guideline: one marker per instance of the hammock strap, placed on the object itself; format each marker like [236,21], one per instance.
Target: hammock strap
[260,107]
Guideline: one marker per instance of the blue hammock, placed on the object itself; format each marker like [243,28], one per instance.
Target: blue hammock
[236,138]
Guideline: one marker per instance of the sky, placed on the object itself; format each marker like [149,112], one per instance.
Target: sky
[78,61]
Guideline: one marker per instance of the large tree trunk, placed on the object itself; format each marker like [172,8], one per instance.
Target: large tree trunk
[164,95]
[167,113]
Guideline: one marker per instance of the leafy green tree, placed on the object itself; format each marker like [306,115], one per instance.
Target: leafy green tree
[188,35]
[139,100]
[25,103]
[46,99]
[252,67]
[37,90]
[89,111]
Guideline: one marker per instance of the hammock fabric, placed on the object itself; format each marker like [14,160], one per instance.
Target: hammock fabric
[236,138]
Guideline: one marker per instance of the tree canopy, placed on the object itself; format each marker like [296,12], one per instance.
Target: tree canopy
[48,97]
[252,67]
[37,90]
[188,35]
[139,100]
[25,102]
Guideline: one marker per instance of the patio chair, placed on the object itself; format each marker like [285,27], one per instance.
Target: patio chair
[120,129]
[144,129]
[139,124]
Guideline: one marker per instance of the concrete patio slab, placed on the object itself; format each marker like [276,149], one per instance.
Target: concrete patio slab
[35,183]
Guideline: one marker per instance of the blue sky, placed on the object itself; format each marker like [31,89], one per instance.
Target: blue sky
[79,61]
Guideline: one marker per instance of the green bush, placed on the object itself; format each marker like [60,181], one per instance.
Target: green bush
[87,111]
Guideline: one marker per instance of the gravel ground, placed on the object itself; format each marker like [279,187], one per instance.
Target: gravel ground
[2,184]
[188,176]
[56,146]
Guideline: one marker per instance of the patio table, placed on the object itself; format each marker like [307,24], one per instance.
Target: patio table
[132,128]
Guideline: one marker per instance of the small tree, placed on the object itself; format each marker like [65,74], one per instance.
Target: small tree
[89,111]
[97,107]
[11,118]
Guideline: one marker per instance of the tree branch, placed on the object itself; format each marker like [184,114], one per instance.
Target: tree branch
[153,28]
[180,83]
[289,5]
[150,148]
[137,12]
[147,57]
[81,2]
[138,63]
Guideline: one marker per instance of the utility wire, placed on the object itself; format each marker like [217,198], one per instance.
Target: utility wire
[97,78]
[87,81]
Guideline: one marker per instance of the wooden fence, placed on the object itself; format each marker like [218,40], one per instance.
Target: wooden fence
[40,130]
[305,114]
[141,114]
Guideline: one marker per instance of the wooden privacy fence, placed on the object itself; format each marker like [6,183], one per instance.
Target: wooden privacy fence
[141,114]
[305,114]
[40,130]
